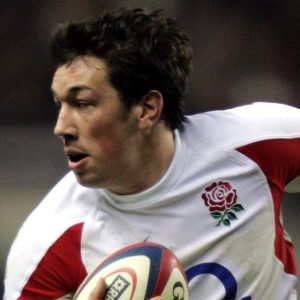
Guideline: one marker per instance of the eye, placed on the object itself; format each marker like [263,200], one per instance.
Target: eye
[82,104]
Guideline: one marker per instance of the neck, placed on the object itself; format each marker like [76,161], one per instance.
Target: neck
[151,163]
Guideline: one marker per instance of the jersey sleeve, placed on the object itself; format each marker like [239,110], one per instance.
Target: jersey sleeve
[45,260]
[273,141]
[56,276]
[279,159]
[267,133]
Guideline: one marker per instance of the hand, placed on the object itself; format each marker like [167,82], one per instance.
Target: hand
[99,291]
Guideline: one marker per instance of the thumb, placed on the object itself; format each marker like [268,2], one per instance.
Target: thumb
[99,290]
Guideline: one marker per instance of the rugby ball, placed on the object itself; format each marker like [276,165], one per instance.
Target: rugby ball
[137,272]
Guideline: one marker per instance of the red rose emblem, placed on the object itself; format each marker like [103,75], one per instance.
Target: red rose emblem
[221,199]
[219,196]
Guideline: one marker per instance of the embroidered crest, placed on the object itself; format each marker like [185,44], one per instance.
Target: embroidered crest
[221,199]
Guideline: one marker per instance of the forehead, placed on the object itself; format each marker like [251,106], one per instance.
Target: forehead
[83,71]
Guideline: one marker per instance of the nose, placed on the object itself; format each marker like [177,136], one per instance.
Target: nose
[65,127]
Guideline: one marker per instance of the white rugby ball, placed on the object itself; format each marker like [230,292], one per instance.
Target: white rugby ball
[138,272]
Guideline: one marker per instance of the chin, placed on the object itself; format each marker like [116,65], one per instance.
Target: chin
[88,181]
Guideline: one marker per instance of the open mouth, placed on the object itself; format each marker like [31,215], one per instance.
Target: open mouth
[76,157]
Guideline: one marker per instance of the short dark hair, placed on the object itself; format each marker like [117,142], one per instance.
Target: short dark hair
[143,51]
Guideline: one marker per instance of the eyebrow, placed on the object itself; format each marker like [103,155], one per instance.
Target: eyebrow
[73,90]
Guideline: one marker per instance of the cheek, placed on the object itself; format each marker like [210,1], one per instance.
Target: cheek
[106,140]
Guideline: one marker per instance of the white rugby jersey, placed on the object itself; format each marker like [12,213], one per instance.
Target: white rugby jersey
[217,207]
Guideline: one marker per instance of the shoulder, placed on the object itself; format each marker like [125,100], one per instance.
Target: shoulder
[66,204]
[58,219]
[274,113]
[242,125]
[63,203]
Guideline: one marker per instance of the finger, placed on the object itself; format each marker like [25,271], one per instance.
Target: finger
[99,290]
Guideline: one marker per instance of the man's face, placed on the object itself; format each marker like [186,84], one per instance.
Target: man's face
[100,136]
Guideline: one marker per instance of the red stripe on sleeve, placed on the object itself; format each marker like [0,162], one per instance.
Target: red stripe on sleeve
[279,159]
[60,271]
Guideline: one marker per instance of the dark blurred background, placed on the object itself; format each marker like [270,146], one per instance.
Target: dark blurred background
[244,51]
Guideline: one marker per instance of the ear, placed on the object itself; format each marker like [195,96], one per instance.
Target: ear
[151,107]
